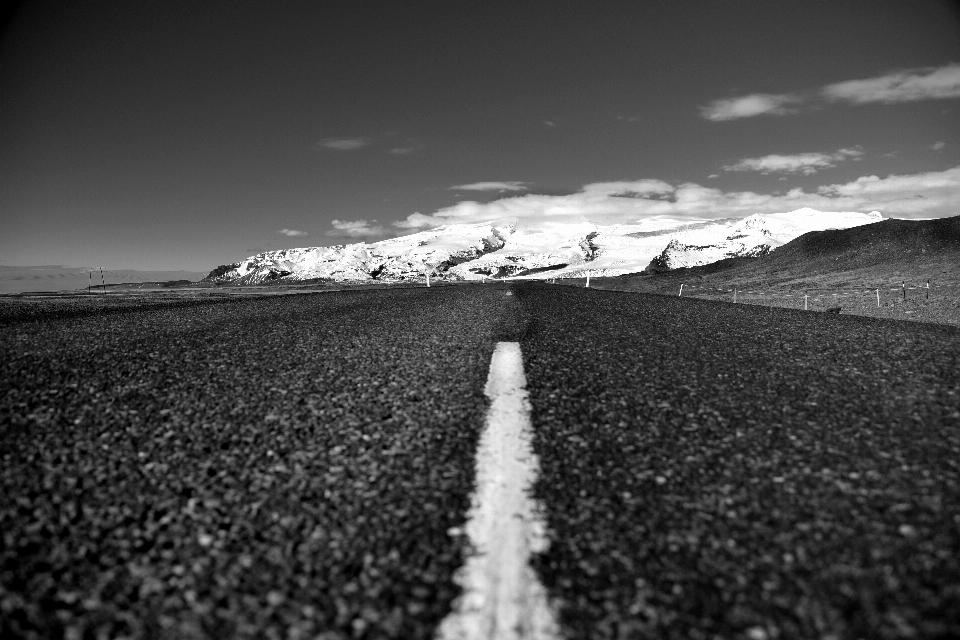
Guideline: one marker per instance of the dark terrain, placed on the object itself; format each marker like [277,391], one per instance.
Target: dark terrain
[835,267]
[293,466]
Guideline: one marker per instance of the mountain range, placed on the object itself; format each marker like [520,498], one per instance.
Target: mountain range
[881,254]
[519,248]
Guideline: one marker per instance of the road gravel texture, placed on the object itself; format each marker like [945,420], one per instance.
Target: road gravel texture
[720,471]
[283,467]
[299,466]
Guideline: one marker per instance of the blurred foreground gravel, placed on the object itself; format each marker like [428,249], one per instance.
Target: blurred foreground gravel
[257,468]
[712,470]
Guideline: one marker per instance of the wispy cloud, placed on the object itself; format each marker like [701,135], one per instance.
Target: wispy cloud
[491,186]
[805,163]
[552,122]
[909,85]
[936,146]
[927,83]
[748,106]
[930,194]
[402,151]
[629,188]
[344,144]
[293,233]
[357,229]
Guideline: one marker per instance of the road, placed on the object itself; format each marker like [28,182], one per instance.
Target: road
[301,466]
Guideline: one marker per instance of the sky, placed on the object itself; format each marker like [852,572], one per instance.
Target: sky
[183,135]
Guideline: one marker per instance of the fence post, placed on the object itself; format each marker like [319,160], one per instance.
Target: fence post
[428,279]
[878,298]
[928,288]
[588,280]
[89,281]
[903,288]
[103,283]
[804,302]
[734,295]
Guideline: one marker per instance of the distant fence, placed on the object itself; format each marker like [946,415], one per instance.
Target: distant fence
[879,295]
[938,303]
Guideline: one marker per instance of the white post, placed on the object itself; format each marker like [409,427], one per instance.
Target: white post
[681,290]
[428,279]
[804,302]
[734,296]
[878,298]
[588,280]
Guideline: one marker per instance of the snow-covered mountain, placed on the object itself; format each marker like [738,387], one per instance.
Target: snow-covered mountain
[753,236]
[511,248]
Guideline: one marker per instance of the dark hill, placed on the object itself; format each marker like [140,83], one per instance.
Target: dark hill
[886,242]
[886,252]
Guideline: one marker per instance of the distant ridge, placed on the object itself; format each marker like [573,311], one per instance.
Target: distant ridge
[886,242]
[887,251]
[49,278]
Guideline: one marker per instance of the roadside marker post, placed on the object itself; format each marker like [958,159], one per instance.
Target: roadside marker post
[903,287]
[928,288]
[734,296]
[89,282]
[588,280]
[681,290]
[428,280]
[804,302]
[878,298]
[103,283]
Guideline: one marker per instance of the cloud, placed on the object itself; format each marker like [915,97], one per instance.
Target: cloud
[922,195]
[344,144]
[293,233]
[936,146]
[357,229]
[805,163]
[490,186]
[629,188]
[555,122]
[749,106]
[417,220]
[402,151]
[927,83]
[713,176]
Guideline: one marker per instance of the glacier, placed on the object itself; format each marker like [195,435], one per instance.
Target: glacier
[512,248]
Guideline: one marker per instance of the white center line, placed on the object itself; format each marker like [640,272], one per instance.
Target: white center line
[502,598]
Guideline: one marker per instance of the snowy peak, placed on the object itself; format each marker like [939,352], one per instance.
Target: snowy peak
[508,248]
[753,236]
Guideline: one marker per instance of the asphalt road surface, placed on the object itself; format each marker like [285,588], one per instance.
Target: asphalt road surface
[300,466]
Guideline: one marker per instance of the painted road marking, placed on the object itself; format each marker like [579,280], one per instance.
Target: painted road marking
[502,596]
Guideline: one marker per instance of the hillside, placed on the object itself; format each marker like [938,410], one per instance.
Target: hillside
[846,267]
[887,243]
